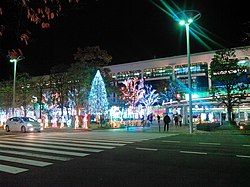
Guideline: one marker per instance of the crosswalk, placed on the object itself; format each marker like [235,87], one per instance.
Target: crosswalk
[17,153]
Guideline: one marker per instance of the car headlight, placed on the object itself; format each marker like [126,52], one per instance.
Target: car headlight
[29,125]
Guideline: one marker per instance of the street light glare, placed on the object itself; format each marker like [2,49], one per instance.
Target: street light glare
[13,60]
[182,22]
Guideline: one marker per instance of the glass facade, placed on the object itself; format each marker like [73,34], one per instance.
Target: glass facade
[199,75]
[201,67]
[166,71]
[127,74]
[157,72]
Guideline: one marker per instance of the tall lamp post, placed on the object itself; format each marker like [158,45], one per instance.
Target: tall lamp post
[186,17]
[15,60]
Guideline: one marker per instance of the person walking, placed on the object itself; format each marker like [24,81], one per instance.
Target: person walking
[159,122]
[166,120]
[180,120]
[143,121]
[176,120]
[150,119]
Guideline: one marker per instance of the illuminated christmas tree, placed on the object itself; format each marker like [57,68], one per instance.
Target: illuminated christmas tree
[98,102]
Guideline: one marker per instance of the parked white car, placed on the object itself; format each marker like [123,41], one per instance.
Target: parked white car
[23,124]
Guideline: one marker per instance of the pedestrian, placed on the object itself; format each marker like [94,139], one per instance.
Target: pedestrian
[176,120]
[158,119]
[180,120]
[143,121]
[150,119]
[166,120]
[159,122]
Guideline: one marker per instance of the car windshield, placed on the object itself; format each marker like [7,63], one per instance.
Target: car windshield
[26,119]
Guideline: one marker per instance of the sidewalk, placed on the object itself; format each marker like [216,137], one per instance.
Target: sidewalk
[154,128]
[172,129]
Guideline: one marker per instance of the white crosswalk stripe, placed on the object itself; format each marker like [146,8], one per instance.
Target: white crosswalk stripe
[11,169]
[51,146]
[44,150]
[8,135]
[40,141]
[88,141]
[24,161]
[25,153]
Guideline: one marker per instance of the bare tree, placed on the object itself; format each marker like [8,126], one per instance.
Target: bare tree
[150,97]
[130,92]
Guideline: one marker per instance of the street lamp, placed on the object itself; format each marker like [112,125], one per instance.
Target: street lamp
[15,60]
[186,17]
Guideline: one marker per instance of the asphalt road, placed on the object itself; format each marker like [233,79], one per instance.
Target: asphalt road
[109,158]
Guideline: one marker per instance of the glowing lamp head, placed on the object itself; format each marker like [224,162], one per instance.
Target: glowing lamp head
[182,22]
[190,20]
[13,60]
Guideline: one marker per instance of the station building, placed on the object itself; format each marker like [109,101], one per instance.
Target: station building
[176,68]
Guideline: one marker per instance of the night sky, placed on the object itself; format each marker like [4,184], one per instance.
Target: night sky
[129,30]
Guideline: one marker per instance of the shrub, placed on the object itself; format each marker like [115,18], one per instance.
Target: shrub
[208,126]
